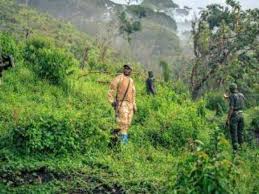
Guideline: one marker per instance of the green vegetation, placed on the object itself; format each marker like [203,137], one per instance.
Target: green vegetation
[127,26]
[225,48]
[166,70]
[99,18]
[158,18]
[216,102]
[55,125]
[52,63]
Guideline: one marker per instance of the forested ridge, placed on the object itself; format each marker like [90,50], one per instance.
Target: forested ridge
[55,118]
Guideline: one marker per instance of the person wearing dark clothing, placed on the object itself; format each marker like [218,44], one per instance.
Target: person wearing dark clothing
[235,119]
[5,63]
[150,84]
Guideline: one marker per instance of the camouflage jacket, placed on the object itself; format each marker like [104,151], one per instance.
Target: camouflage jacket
[118,89]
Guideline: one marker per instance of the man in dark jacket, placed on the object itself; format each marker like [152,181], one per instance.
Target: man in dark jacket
[5,63]
[150,84]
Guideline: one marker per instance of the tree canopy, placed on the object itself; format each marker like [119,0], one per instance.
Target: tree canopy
[226,47]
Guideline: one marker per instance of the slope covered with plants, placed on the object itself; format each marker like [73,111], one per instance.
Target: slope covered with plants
[102,18]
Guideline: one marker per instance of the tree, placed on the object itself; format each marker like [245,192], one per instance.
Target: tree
[165,70]
[129,24]
[225,46]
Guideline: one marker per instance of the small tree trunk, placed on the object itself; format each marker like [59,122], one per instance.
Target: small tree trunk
[85,57]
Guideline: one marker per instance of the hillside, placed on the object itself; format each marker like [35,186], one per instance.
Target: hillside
[97,17]
[25,23]
[159,5]
[55,122]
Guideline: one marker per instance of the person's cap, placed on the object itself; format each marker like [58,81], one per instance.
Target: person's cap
[233,87]
[127,66]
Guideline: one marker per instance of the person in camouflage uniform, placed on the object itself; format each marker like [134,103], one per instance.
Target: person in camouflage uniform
[122,95]
[235,119]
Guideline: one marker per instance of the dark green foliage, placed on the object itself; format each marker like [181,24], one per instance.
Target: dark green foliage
[201,174]
[255,123]
[167,123]
[147,13]
[139,11]
[216,103]
[201,109]
[8,46]
[222,32]
[165,70]
[253,131]
[173,134]
[48,61]
[53,65]
[217,15]
[208,170]
[49,134]
[136,26]
[128,26]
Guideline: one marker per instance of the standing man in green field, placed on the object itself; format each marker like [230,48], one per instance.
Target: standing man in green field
[235,119]
[150,84]
[122,96]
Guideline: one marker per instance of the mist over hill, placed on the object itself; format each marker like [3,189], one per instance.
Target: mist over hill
[157,39]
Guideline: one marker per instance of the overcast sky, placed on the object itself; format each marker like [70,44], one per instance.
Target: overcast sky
[202,3]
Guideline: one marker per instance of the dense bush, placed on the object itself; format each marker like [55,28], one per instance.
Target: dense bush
[53,65]
[168,124]
[8,46]
[255,123]
[48,61]
[93,60]
[59,134]
[203,173]
[216,103]
[253,131]
[175,129]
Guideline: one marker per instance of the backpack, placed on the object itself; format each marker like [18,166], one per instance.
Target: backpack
[239,101]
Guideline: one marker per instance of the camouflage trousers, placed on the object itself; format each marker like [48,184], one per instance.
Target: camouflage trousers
[124,116]
[236,129]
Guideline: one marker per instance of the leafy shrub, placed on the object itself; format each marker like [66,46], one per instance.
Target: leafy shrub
[175,129]
[180,88]
[216,103]
[166,123]
[63,134]
[32,47]
[53,65]
[47,61]
[201,109]
[255,123]
[201,173]
[92,58]
[8,46]
[127,25]
[165,70]
[254,130]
